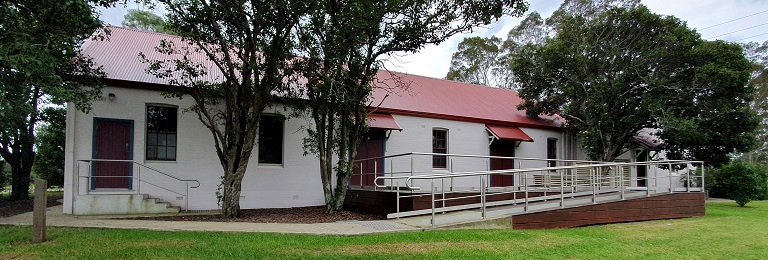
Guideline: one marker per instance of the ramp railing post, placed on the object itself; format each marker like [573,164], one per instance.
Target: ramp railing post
[562,190]
[621,182]
[525,180]
[361,174]
[482,193]
[592,174]
[670,177]
[375,172]
[702,177]
[397,195]
[432,190]
[688,179]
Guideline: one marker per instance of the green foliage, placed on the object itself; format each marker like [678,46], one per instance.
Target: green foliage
[345,43]
[49,163]
[478,61]
[40,65]
[758,56]
[145,21]
[740,181]
[249,47]
[612,71]
[5,175]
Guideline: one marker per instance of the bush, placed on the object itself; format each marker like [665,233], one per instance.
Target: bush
[739,181]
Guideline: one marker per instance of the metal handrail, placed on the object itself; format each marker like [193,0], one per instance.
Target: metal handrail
[142,165]
[617,181]
[138,178]
[408,179]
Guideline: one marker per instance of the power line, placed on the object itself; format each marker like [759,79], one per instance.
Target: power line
[750,37]
[733,20]
[738,31]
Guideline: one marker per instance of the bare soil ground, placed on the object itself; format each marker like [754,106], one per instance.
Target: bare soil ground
[286,215]
[10,208]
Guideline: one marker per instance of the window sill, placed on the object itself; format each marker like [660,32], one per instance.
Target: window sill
[270,165]
[159,161]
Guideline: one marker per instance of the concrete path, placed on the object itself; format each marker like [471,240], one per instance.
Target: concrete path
[55,217]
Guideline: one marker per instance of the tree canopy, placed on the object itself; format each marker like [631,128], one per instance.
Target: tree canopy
[146,21]
[345,42]
[614,72]
[40,64]
[478,61]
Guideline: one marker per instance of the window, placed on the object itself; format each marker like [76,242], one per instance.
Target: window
[271,139]
[161,133]
[551,151]
[439,145]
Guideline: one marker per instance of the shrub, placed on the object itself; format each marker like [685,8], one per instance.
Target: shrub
[740,181]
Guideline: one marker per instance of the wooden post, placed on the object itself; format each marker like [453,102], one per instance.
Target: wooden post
[38,217]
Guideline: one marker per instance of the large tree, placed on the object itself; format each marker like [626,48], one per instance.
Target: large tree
[614,72]
[49,144]
[478,61]
[248,48]
[146,21]
[345,42]
[40,65]
[758,55]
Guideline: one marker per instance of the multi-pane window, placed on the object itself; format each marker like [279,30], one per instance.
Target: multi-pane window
[552,151]
[161,133]
[271,139]
[439,145]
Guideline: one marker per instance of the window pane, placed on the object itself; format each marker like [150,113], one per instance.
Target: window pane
[171,153]
[439,145]
[171,140]
[271,139]
[161,132]
[152,139]
[151,152]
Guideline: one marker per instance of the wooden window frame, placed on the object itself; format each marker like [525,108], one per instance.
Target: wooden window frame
[439,161]
[149,143]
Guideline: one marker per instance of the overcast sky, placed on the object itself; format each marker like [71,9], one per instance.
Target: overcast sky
[433,61]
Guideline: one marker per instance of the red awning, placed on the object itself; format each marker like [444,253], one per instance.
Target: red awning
[508,133]
[382,121]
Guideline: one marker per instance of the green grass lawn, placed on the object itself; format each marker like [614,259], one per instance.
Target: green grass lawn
[727,232]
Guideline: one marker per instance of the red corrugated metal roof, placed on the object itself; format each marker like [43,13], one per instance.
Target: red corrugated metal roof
[508,133]
[382,121]
[405,94]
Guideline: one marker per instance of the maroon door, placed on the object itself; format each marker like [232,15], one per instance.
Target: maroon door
[371,146]
[112,141]
[642,170]
[507,149]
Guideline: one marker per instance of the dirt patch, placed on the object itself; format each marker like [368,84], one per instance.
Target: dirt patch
[285,215]
[11,208]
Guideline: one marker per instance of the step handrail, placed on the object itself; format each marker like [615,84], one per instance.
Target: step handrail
[145,166]
[138,178]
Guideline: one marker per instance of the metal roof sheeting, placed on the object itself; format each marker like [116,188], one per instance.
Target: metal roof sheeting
[508,133]
[398,93]
[382,121]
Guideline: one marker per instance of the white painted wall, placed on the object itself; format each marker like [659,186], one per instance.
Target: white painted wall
[463,138]
[295,183]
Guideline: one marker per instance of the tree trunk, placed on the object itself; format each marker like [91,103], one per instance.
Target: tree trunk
[231,201]
[20,181]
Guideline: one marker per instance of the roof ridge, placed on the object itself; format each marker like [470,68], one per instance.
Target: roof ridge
[453,81]
[142,31]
